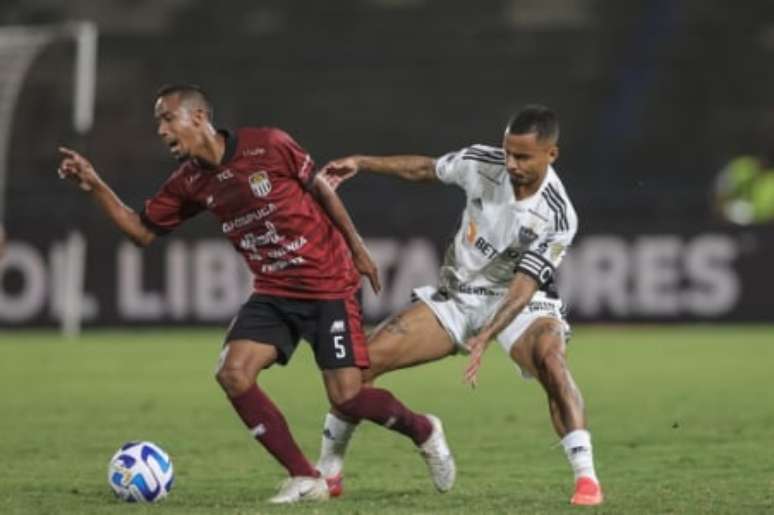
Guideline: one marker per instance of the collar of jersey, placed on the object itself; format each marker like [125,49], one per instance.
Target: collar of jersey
[232,140]
[529,201]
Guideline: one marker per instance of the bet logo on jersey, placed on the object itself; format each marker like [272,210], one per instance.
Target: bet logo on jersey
[260,183]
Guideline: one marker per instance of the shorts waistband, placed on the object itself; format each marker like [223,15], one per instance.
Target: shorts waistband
[477,290]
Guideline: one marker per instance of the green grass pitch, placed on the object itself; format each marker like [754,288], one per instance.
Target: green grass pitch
[682,419]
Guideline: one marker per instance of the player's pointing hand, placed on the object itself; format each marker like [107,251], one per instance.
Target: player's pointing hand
[78,169]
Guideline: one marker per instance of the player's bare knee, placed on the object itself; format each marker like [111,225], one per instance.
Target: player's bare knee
[343,384]
[551,362]
[233,378]
[548,347]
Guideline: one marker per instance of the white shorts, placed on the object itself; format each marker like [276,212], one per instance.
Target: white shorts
[463,315]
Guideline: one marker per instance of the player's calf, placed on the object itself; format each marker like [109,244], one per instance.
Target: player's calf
[381,407]
[567,411]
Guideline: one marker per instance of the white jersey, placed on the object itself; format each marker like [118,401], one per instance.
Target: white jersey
[500,235]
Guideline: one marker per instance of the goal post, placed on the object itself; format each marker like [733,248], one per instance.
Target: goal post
[19,47]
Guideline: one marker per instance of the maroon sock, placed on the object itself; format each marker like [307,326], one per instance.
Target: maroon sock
[381,407]
[268,426]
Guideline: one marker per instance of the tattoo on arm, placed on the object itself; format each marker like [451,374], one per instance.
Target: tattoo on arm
[410,167]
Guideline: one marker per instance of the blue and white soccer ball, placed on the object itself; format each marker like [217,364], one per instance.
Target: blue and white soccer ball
[141,472]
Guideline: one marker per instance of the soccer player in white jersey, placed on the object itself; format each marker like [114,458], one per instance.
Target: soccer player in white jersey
[497,281]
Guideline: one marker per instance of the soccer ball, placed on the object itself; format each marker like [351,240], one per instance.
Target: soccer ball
[141,472]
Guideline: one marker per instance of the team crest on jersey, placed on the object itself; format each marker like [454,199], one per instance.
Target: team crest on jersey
[260,183]
[526,236]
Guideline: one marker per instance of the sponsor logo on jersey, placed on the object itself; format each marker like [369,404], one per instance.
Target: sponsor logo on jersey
[250,152]
[485,247]
[338,327]
[282,264]
[251,241]
[260,183]
[249,218]
[225,175]
[537,305]
[471,233]
[526,236]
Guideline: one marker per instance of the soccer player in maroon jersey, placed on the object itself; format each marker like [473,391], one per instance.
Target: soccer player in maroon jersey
[306,256]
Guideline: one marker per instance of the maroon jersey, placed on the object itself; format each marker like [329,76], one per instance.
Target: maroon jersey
[259,194]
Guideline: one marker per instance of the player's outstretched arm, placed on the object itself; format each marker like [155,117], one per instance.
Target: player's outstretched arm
[333,205]
[78,169]
[520,291]
[411,168]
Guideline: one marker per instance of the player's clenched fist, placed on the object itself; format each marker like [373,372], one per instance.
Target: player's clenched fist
[78,169]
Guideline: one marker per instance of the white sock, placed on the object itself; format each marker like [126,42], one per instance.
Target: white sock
[577,447]
[335,439]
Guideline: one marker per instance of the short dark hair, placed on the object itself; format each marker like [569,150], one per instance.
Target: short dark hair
[537,119]
[189,93]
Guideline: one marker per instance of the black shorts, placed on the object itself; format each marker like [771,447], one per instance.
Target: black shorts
[333,327]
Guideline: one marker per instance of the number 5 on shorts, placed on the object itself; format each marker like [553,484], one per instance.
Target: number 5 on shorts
[338,345]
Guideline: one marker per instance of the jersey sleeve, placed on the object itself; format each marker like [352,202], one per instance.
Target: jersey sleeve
[451,168]
[463,167]
[298,161]
[545,254]
[169,207]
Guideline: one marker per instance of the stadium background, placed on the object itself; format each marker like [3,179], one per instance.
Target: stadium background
[655,99]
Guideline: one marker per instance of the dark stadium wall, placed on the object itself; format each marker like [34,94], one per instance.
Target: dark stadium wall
[649,117]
